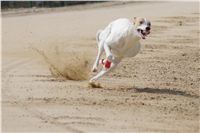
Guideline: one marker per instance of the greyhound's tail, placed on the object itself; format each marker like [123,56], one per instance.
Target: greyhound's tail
[97,35]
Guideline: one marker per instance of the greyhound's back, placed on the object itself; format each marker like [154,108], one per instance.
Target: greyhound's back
[115,30]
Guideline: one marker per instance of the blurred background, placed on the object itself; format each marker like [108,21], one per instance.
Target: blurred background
[49,4]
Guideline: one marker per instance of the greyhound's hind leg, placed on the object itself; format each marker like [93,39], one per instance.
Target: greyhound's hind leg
[100,52]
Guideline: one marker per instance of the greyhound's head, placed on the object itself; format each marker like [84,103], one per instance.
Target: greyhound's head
[143,26]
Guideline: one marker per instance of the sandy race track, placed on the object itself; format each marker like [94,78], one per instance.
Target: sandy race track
[156,91]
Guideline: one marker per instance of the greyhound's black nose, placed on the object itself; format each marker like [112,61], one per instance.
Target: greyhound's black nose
[148,28]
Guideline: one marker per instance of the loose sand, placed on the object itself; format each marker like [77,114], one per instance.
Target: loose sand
[156,91]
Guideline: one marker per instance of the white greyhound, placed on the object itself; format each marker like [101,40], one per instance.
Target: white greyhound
[120,39]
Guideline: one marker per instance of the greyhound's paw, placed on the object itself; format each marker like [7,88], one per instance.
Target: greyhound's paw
[91,81]
[94,69]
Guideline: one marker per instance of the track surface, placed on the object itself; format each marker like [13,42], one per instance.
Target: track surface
[157,91]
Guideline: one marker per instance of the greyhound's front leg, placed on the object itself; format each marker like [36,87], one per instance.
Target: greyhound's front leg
[105,70]
[100,52]
[108,52]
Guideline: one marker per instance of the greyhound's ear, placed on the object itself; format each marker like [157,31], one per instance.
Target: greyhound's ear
[134,20]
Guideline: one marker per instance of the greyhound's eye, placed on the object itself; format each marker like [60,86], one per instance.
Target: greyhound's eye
[141,22]
[149,24]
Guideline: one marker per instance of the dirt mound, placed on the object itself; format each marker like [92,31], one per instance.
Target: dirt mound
[70,65]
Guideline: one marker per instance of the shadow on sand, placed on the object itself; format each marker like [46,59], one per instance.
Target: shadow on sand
[165,91]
